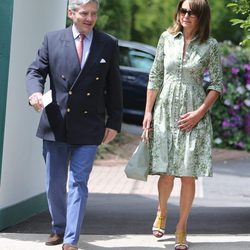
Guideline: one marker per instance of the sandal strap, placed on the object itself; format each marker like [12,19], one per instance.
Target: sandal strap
[159,224]
[161,230]
[160,221]
[181,245]
[180,237]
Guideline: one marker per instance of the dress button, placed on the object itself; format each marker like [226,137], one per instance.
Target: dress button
[85,112]
[88,94]
[97,78]
[68,110]
[63,77]
[70,92]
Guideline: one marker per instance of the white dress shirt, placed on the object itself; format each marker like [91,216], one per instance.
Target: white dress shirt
[86,43]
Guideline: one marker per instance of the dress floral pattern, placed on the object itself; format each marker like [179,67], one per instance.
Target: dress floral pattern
[179,82]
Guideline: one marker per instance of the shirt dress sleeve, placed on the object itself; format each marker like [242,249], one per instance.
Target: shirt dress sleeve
[157,71]
[215,68]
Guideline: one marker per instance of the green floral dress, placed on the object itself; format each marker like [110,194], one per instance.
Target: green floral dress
[179,82]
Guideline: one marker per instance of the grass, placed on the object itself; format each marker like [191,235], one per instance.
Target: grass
[115,146]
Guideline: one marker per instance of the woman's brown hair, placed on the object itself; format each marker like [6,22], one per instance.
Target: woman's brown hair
[202,10]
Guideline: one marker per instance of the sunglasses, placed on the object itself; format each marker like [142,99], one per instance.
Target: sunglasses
[189,12]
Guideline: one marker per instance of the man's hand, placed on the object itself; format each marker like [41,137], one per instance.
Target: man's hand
[110,134]
[36,101]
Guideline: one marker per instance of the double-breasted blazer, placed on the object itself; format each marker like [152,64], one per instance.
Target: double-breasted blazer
[85,101]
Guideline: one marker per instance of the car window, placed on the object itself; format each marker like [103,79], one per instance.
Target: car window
[141,60]
[136,58]
[124,59]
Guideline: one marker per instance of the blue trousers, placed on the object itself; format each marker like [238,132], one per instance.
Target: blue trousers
[67,205]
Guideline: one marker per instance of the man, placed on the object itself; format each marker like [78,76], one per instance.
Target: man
[86,110]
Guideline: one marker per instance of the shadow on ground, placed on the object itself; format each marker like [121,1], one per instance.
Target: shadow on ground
[117,214]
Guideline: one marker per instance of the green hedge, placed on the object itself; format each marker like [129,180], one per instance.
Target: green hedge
[231,114]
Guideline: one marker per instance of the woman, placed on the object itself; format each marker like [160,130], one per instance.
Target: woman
[177,109]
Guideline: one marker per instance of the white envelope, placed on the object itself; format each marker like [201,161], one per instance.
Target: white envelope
[47,98]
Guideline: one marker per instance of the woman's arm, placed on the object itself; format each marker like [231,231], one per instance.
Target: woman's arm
[151,96]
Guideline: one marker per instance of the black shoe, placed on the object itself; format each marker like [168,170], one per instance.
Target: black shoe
[54,239]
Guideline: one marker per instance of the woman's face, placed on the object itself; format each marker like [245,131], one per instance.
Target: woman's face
[188,19]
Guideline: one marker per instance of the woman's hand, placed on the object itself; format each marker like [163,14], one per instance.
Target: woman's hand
[189,120]
[147,120]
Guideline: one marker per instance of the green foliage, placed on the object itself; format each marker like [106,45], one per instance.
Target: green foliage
[138,20]
[231,115]
[220,22]
[149,20]
[145,20]
[242,7]
[114,17]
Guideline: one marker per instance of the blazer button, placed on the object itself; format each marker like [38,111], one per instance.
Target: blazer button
[97,78]
[70,92]
[68,110]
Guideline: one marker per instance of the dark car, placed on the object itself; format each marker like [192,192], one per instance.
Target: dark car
[135,62]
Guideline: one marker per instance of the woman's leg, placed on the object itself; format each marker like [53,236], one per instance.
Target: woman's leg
[186,201]
[165,187]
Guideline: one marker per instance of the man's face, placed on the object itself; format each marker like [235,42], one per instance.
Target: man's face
[84,17]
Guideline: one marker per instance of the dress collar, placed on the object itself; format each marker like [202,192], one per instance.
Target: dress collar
[180,34]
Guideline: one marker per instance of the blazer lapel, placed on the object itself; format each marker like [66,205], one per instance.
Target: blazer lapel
[72,58]
[95,50]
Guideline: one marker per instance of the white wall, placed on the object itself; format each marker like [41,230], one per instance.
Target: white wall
[23,171]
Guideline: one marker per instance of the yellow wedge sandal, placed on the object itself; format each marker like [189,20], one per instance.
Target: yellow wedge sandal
[180,241]
[159,225]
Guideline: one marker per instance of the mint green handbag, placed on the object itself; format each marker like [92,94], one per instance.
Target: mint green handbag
[137,167]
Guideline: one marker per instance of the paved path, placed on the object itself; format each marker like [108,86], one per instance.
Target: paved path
[103,181]
[123,209]
[130,242]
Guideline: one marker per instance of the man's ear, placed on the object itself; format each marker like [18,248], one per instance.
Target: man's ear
[70,14]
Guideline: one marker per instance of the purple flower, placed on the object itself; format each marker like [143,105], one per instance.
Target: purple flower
[229,60]
[240,144]
[247,78]
[227,134]
[247,67]
[231,111]
[235,71]
[247,123]
[236,121]
[225,123]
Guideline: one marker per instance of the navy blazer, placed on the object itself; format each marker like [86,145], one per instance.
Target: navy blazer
[86,101]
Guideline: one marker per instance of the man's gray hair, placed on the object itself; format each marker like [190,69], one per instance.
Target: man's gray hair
[74,4]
